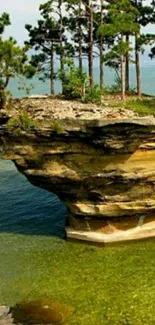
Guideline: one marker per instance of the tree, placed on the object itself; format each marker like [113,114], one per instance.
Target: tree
[89,8]
[44,38]
[60,21]
[13,62]
[4,21]
[144,16]
[77,27]
[75,80]
[101,47]
[121,21]
[85,14]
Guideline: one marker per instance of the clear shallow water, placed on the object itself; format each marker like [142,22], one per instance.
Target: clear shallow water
[29,218]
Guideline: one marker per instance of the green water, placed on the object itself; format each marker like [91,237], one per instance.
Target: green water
[113,285]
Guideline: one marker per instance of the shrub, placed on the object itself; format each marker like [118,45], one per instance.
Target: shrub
[74,80]
[22,122]
[93,95]
[57,127]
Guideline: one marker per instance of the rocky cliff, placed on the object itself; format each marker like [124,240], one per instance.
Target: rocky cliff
[100,163]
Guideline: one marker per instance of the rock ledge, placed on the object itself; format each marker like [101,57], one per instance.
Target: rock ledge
[100,164]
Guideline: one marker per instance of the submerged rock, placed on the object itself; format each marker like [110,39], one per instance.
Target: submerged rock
[5,316]
[4,310]
[40,312]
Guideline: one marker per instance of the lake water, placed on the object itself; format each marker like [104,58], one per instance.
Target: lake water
[25,209]
[147,75]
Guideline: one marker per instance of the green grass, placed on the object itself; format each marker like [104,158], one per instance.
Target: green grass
[109,286]
[57,127]
[22,122]
[144,106]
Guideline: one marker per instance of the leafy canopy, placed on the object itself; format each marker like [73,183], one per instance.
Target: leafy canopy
[13,62]
[121,17]
[4,21]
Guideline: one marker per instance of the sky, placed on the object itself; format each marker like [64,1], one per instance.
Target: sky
[21,12]
[26,11]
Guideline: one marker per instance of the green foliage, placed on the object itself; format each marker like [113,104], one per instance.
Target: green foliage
[93,95]
[46,39]
[75,83]
[113,60]
[74,80]
[152,53]
[57,127]
[121,19]
[25,87]
[144,106]
[109,24]
[122,22]
[13,62]
[22,122]
[4,21]
[115,88]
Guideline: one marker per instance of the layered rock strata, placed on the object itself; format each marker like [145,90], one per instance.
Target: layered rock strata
[103,169]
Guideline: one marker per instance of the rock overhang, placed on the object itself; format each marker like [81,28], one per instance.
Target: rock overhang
[102,169]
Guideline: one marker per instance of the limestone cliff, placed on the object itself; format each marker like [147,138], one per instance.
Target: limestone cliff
[100,164]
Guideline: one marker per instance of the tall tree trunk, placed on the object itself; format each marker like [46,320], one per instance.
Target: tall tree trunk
[127,66]
[123,87]
[137,59]
[101,50]
[2,97]
[52,69]
[122,77]
[91,43]
[80,40]
[138,71]
[61,40]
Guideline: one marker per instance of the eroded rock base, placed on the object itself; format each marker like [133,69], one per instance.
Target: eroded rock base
[114,235]
[42,312]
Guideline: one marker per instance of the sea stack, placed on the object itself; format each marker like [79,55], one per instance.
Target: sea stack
[99,161]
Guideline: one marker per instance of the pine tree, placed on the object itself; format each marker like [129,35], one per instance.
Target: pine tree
[99,39]
[102,42]
[4,21]
[121,22]
[89,8]
[60,22]
[44,38]
[145,15]
[76,25]
[101,47]
[86,38]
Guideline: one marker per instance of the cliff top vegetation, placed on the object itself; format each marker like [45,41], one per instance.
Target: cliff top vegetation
[71,34]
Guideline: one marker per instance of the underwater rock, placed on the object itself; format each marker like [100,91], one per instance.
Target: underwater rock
[4,310]
[5,316]
[40,312]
